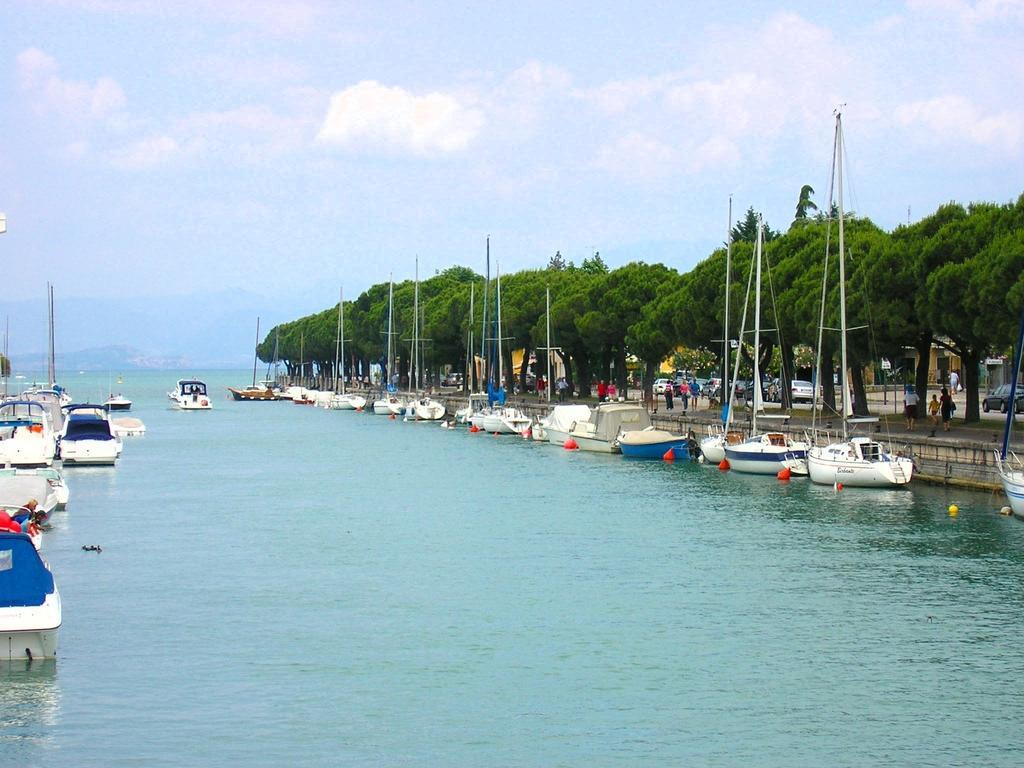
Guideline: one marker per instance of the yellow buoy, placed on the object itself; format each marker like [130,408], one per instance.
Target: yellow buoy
[954,510]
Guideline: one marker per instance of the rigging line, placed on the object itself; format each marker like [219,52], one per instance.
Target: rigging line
[778,327]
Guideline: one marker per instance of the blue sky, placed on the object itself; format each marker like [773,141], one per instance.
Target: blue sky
[172,148]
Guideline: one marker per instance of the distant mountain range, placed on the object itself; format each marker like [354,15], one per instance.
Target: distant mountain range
[211,330]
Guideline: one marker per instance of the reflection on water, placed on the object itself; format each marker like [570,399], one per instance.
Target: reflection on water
[29,709]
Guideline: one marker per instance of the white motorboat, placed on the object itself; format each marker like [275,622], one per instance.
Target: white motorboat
[52,476]
[18,487]
[190,395]
[30,609]
[26,434]
[557,424]
[852,461]
[118,402]
[601,432]
[87,437]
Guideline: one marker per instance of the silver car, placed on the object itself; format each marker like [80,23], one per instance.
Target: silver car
[801,391]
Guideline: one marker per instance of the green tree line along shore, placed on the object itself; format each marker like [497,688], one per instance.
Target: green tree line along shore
[955,278]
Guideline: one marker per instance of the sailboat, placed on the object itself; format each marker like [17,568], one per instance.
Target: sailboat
[767,453]
[1008,464]
[712,447]
[253,392]
[301,395]
[504,419]
[343,401]
[389,403]
[421,407]
[852,461]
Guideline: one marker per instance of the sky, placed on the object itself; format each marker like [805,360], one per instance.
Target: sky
[171,149]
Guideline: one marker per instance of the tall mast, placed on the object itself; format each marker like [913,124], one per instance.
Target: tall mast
[470,368]
[391,328]
[501,372]
[547,305]
[728,276]
[256,353]
[339,339]
[416,326]
[485,337]
[51,370]
[842,269]
[7,358]
[757,331]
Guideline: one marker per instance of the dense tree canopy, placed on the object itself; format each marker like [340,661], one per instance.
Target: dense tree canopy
[955,278]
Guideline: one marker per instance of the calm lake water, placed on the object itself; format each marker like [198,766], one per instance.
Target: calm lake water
[288,586]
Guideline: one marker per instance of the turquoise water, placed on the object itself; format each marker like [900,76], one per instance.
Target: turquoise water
[283,585]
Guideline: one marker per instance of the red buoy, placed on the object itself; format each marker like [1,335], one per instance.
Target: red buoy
[391,416]
[669,455]
[570,445]
[784,474]
[474,428]
[724,465]
[839,486]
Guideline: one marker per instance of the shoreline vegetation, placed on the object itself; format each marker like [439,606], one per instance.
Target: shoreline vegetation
[954,279]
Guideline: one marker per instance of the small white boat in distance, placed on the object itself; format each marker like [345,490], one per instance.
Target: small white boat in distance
[87,437]
[348,402]
[127,427]
[118,402]
[27,438]
[30,610]
[190,395]
[506,420]
[425,409]
[51,475]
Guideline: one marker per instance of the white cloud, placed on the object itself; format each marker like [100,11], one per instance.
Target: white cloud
[38,75]
[972,13]
[951,119]
[393,119]
[147,153]
[637,157]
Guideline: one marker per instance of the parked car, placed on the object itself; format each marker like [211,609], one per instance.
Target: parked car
[660,385]
[452,380]
[801,391]
[1000,398]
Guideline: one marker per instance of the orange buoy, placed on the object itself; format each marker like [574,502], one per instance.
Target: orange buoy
[527,434]
[570,445]
[839,486]
[724,465]
[669,455]
[391,416]
[474,428]
[784,474]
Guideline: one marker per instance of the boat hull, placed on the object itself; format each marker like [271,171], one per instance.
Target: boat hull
[678,446]
[1013,485]
[90,452]
[856,473]
[30,643]
[594,445]
[755,462]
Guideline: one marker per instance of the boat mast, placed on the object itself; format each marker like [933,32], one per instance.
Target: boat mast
[1014,377]
[501,372]
[7,357]
[470,368]
[51,361]
[256,354]
[728,275]
[391,329]
[416,328]
[757,330]
[547,305]
[820,384]
[484,336]
[339,339]
[842,272]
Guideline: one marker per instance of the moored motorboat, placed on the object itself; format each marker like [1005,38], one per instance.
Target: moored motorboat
[349,401]
[19,486]
[26,434]
[253,393]
[87,437]
[190,395]
[30,609]
[601,432]
[651,443]
[52,475]
[425,409]
[506,420]
[560,420]
[127,427]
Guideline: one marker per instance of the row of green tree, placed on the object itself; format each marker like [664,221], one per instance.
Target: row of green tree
[955,278]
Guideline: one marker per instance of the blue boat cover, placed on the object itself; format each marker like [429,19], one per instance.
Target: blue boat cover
[24,579]
[83,427]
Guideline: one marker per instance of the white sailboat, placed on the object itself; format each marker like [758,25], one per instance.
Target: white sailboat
[1008,464]
[852,461]
[712,447]
[343,400]
[389,403]
[504,419]
[422,407]
[766,453]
